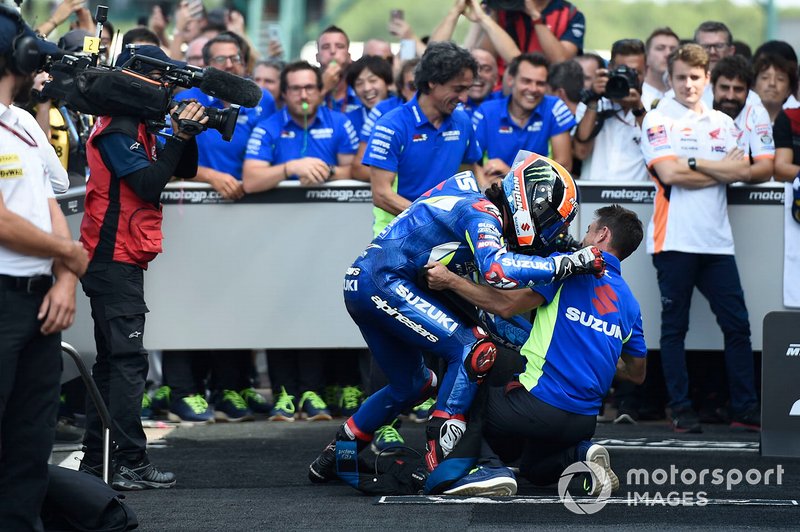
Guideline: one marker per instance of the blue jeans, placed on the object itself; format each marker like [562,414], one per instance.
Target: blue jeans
[717,278]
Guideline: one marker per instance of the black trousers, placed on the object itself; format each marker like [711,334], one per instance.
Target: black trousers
[116,294]
[297,370]
[517,425]
[186,372]
[30,371]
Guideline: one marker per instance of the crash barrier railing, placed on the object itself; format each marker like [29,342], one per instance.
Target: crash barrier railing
[267,271]
[97,399]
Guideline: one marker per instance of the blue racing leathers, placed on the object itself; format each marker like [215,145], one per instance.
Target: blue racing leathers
[455,224]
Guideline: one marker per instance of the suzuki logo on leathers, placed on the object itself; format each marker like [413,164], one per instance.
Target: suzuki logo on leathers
[427,308]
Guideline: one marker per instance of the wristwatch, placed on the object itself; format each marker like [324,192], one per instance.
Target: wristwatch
[692,164]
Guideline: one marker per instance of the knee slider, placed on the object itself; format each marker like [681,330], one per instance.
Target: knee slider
[480,359]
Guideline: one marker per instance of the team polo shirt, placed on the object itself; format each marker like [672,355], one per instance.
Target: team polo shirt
[501,138]
[688,220]
[471,106]
[754,123]
[378,111]
[278,138]
[403,141]
[213,151]
[350,102]
[28,169]
[617,153]
[650,94]
[578,335]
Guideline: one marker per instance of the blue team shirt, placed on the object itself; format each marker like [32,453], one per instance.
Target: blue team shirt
[278,138]
[350,102]
[213,151]
[403,141]
[378,111]
[577,337]
[471,106]
[501,138]
[123,153]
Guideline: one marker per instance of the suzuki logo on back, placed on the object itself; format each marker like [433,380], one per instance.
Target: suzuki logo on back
[604,302]
[793,350]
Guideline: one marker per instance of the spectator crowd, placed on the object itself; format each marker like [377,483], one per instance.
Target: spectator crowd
[691,114]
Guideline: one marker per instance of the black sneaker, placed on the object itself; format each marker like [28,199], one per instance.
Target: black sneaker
[91,469]
[749,420]
[626,415]
[323,469]
[686,421]
[141,476]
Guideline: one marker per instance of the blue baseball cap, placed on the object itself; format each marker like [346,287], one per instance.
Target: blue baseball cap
[147,50]
[12,26]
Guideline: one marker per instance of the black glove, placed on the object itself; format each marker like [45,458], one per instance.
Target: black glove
[564,243]
[587,260]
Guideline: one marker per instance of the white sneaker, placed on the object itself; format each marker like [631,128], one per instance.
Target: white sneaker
[597,455]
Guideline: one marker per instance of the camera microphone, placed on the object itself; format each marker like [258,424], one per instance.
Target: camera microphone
[230,88]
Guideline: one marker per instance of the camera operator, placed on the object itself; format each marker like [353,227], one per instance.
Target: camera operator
[121,229]
[610,118]
[34,244]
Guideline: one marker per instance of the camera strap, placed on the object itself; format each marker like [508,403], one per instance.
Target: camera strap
[602,116]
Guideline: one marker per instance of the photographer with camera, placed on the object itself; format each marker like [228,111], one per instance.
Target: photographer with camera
[121,229]
[610,118]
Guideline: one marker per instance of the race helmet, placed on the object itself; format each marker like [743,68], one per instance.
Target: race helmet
[543,200]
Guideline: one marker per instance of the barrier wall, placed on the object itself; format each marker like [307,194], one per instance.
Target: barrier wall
[267,271]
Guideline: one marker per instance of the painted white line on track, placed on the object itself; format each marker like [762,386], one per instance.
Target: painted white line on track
[646,502]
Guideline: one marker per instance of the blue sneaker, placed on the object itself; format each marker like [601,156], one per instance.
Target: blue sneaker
[230,406]
[161,400]
[486,482]
[192,409]
[284,407]
[387,439]
[421,412]
[255,401]
[349,400]
[313,408]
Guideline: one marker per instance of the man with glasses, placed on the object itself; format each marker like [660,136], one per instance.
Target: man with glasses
[305,141]
[609,130]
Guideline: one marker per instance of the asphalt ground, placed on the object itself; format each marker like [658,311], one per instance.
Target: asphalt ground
[252,476]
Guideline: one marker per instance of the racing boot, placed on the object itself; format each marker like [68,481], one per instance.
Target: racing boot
[323,468]
[441,436]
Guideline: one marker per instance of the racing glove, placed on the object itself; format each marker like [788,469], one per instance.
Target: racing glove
[586,260]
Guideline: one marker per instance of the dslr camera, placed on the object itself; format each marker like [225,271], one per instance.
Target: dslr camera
[620,82]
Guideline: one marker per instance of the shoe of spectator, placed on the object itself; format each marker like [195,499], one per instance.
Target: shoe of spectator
[161,400]
[685,420]
[712,415]
[313,408]
[323,468]
[485,482]
[147,410]
[597,455]
[421,412]
[141,476]
[255,401]
[284,407]
[193,408]
[387,439]
[349,400]
[230,406]
[651,413]
[626,415]
[67,432]
[749,420]
[332,395]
